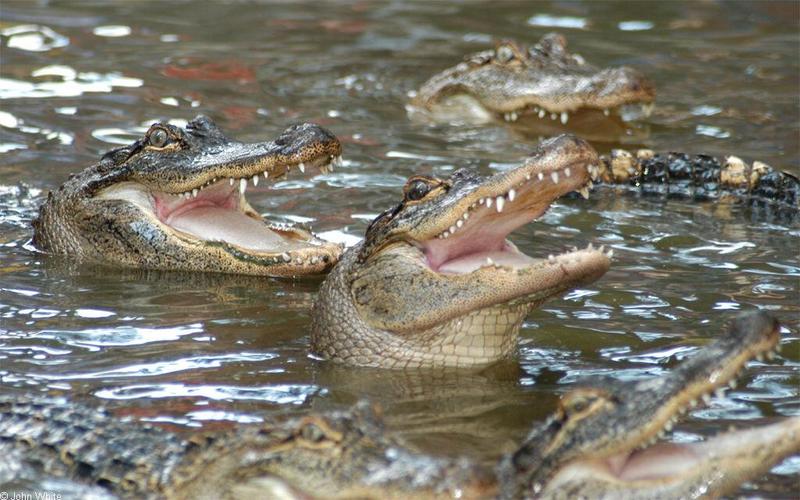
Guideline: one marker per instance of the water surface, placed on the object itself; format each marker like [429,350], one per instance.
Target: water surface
[79,78]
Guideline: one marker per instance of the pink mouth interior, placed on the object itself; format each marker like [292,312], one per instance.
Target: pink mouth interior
[482,237]
[215,215]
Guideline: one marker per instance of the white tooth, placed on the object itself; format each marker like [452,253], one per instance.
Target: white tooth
[465,216]
[506,117]
[339,160]
[513,116]
[540,176]
[266,174]
[527,177]
[459,223]
[706,398]
[693,403]
[553,116]
[668,427]
[255,180]
[610,253]
[242,185]
[554,177]
[302,167]
[231,181]
[489,261]
[500,203]
[770,355]
[564,117]
[760,356]
[286,257]
[732,384]
[606,112]
[481,201]
[511,194]
[194,192]
[453,229]
[584,191]
[541,113]
[551,258]
[314,260]
[567,172]
[489,202]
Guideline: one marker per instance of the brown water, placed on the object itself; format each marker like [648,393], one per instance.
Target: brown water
[207,350]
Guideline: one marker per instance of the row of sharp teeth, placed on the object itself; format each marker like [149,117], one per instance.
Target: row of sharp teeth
[500,201]
[313,260]
[543,113]
[719,392]
[552,258]
[328,167]
[513,116]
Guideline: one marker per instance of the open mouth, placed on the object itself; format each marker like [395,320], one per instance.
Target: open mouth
[476,238]
[218,211]
[663,461]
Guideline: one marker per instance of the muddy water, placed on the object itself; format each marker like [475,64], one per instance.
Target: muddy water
[209,351]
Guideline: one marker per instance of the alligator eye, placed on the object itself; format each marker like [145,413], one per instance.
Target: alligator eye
[504,53]
[312,433]
[417,190]
[158,138]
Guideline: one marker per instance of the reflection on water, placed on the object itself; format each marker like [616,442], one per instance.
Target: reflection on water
[187,349]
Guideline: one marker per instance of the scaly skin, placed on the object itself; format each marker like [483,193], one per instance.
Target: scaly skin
[119,211]
[597,429]
[435,283]
[765,190]
[545,81]
[595,445]
[331,455]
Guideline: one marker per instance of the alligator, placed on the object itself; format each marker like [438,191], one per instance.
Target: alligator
[175,200]
[544,81]
[766,191]
[435,282]
[598,443]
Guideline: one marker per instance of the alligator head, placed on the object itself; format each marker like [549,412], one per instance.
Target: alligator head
[344,454]
[545,81]
[435,281]
[601,439]
[175,199]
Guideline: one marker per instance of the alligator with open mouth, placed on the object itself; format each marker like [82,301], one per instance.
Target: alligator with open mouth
[600,442]
[435,282]
[175,200]
[544,81]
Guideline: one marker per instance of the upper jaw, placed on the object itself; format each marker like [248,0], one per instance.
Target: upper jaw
[478,223]
[241,163]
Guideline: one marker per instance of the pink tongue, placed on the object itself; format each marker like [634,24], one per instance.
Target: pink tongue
[230,226]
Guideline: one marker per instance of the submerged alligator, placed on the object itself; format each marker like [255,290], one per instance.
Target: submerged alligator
[435,282]
[543,81]
[703,177]
[599,443]
[174,200]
